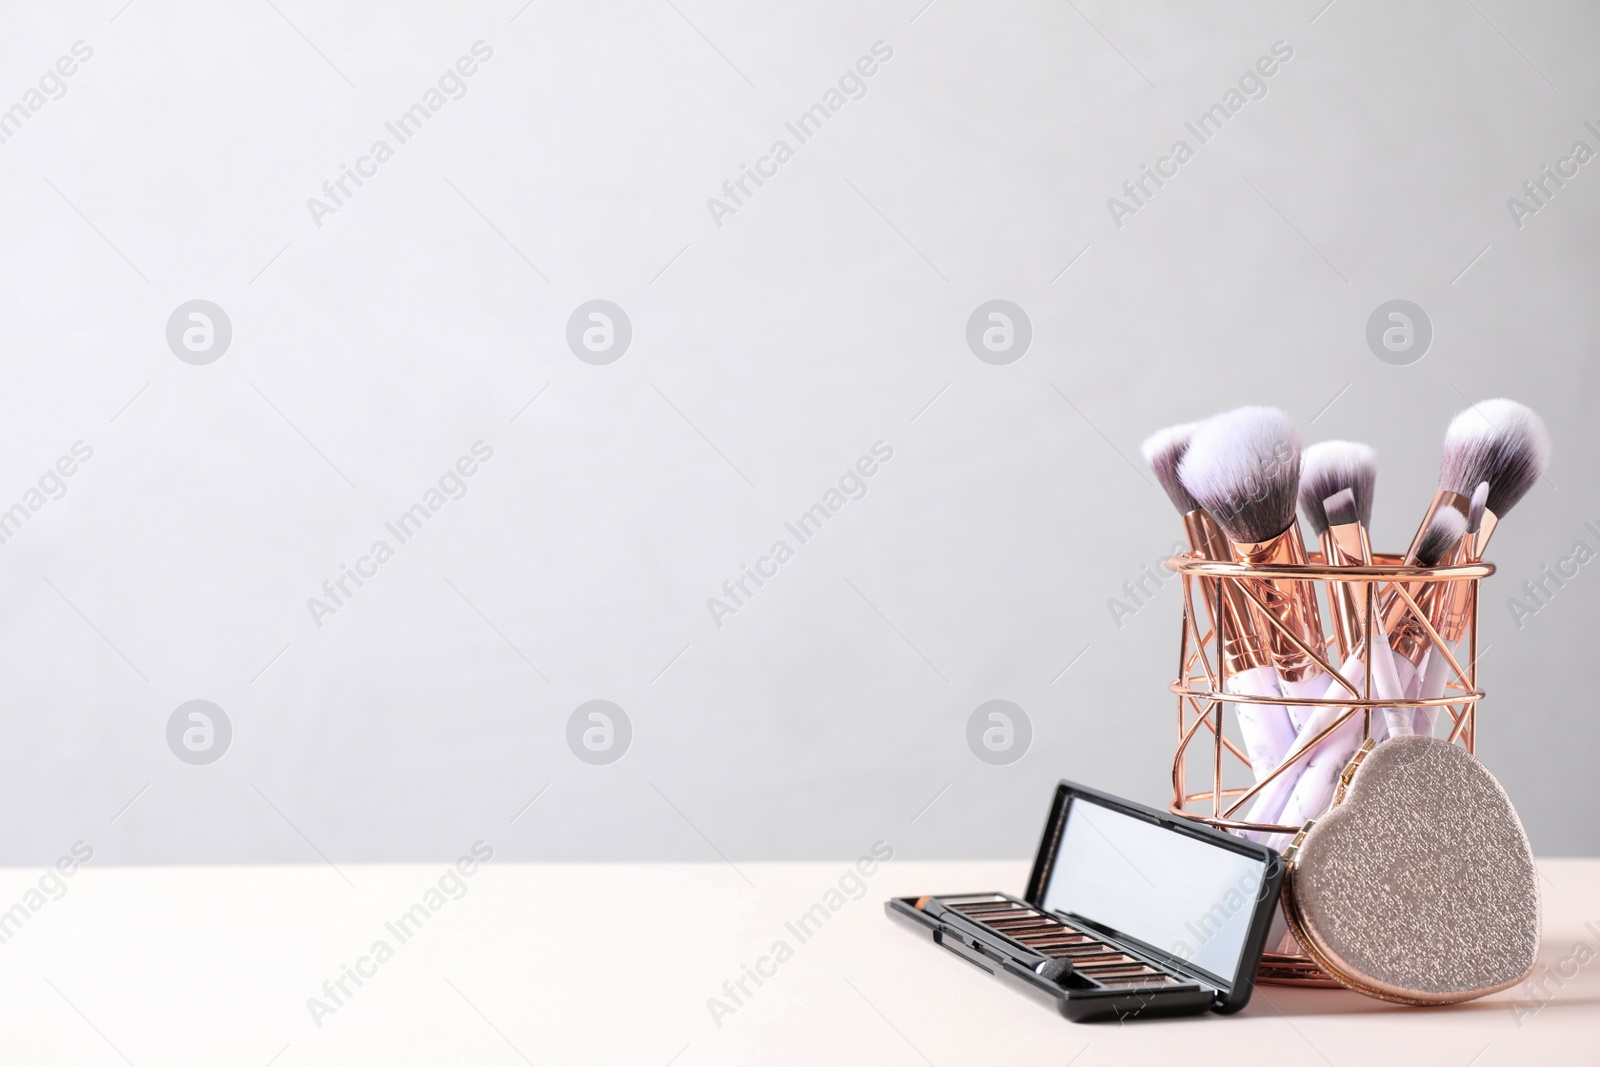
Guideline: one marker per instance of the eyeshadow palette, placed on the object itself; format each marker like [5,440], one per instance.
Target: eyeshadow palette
[1094,959]
[1129,912]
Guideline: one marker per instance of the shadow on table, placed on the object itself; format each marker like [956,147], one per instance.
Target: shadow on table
[1282,1000]
[1550,988]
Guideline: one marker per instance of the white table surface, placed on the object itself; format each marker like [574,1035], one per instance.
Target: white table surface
[613,964]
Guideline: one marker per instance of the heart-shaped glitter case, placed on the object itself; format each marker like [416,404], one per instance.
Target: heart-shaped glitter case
[1418,886]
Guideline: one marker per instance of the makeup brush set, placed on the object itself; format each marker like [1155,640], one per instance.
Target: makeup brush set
[1236,479]
[1371,853]
[1324,714]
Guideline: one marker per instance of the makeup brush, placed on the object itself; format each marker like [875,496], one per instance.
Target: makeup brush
[1243,467]
[1315,784]
[1163,451]
[1496,449]
[1348,540]
[1451,621]
[1265,728]
[1407,637]
[1387,676]
[1340,469]
[1328,467]
[1346,530]
[1500,442]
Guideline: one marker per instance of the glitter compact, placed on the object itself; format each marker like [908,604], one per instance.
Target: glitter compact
[1418,886]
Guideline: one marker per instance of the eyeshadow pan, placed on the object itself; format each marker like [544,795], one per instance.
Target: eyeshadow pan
[1088,949]
[1068,937]
[1055,951]
[1111,961]
[1030,927]
[1132,981]
[1118,971]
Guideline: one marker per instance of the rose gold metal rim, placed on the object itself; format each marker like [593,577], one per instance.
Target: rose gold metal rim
[1203,693]
[1316,570]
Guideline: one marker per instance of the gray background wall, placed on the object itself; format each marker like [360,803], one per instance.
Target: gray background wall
[768,353]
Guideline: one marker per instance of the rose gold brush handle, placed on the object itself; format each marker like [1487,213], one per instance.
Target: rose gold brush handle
[1346,545]
[1452,610]
[1266,729]
[1287,618]
[1291,602]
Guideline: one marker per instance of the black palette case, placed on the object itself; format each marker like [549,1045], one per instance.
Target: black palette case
[1129,912]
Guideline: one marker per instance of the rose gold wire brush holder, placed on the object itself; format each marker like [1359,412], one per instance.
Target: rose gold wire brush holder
[1212,780]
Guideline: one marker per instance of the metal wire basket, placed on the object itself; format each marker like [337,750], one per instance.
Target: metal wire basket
[1212,780]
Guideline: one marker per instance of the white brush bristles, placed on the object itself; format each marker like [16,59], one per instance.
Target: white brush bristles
[1480,500]
[1163,451]
[1444,530]
[1500,442]
[1340,508]
[1243,466]
[1330,466]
